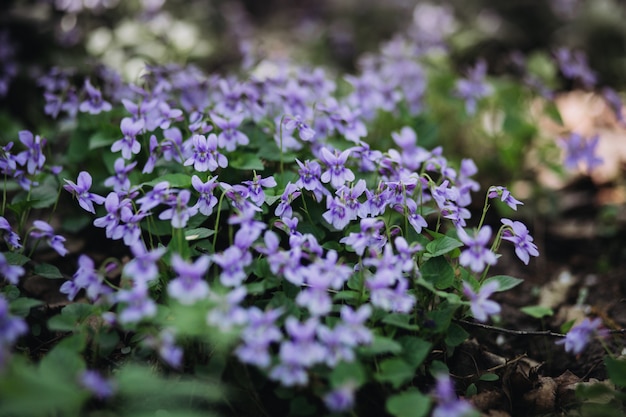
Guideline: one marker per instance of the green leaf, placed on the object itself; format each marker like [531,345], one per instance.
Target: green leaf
[16,258]
[345,372]
[71,316]
[43,196]
[537,311]
[176,180]
[616,369]
[410,403]
[48,271]
[100,140]
[456,335]
[414,350]
[489,377]
[381,344]
[400,320]
[395,371]
[438,272]
[21,306]
[505,282]
[198,233]
[442,245]
[246,161]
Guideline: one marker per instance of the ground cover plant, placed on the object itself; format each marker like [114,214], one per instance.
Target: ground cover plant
[279,239]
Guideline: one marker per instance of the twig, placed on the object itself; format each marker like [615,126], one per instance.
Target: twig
[544,333]
[547,333]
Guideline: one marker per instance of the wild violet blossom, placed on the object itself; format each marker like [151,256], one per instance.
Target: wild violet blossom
[448,404]
[580,151]
[474,87]
[42,230]
[11,273]
[480,305]
[517,233]
[579,336]
[476,256]
[80,190]
[189,285]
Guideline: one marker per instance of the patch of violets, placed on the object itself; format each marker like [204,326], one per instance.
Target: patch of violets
[380,208]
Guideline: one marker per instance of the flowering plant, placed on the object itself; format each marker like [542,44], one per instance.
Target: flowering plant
[256,233]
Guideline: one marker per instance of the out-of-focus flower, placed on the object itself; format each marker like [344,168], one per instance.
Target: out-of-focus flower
[480,305]
[579,150]
[580,335]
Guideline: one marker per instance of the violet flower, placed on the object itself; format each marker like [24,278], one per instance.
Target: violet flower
[99,386]
[448,404]
[579,150]
[340,399]
[93,103]
[480,305]
[207,201]
[580,335]
[336,173]
[80,190]
[476,256]
[11,273]
[474,87]
[33,157]
[179,212]
[228,313]
[517,233]
[143,266]
[120,181]
[189,285]
[128,144]
[9,236]
[42,230]
[232,261]
[505,196]
[205,156]
[86,277]
[137,304]
[229,138]
[257,195]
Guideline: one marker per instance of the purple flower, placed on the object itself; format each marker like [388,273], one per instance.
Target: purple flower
[580,335]
[337,174]
[120,181]
[227,311]
[180,211]
[168,351]
[33,157]
[205,154]
[11,328]
[129,144]
[100,387]
[337,214]
[481,307]
[369,236]
[259,333]
[229,138]
[189,286]
[392,299]
[476,255]
[42,230]
[81,191]
[352,327]
[473,88]
[448,403]
[138,304]
[340,399]
[128,227]
[290,193]
[517,233]
[232,261]
[255,187]
[11,273]
[86,277]
[113,206]
[207,200]
[310,173]
[615,103]
[143,266]
[154,154]
[296,123]
[93,103]
[574,66]
[505,196]
[9,236]
[580,150]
